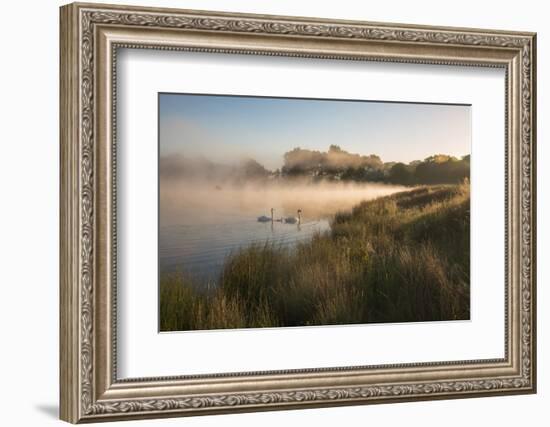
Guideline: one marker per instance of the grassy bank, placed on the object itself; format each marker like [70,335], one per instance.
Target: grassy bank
[399,258]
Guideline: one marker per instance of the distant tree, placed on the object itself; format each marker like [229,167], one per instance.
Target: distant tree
[363,174]
[441,169]
[400,173]
[299,161]
[439,158]
[388,165]
[372,161]
[251,169]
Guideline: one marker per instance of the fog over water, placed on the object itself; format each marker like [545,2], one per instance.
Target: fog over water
[203,221]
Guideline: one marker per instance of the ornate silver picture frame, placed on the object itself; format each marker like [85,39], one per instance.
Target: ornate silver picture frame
[91,35]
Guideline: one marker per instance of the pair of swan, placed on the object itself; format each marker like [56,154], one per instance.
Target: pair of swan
[287,220]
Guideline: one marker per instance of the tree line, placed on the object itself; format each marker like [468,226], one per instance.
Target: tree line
[333,165]
[338,164]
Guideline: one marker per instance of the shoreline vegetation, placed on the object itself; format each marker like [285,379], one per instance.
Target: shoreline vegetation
[399,258]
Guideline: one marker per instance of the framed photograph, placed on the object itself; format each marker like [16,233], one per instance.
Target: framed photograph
[266,212]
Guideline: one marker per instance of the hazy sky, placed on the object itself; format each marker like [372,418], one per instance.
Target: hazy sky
[229,128]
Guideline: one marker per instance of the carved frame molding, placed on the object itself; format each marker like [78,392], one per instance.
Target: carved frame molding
[90,36]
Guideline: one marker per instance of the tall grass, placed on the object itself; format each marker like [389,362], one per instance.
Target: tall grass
[399,258]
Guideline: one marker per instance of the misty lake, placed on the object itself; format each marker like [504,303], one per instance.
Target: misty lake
[202,223]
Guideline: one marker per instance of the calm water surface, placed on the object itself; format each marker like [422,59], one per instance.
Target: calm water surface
[202,224]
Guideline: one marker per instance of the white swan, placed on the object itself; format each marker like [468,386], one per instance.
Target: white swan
[264,218]
[294,220]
